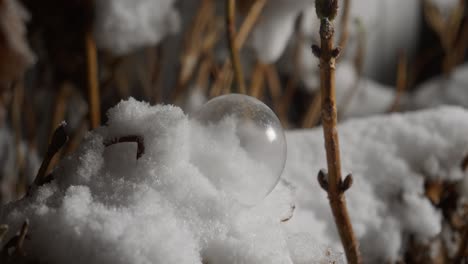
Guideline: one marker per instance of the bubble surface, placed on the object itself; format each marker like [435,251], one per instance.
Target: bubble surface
[248,155]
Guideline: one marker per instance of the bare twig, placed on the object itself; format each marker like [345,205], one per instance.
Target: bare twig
[92,79]
[335,186]
[132,138]
[58,140]
[17,241]
[234,50]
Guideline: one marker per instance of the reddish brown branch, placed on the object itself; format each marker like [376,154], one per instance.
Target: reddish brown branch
[335,186]
[126,139]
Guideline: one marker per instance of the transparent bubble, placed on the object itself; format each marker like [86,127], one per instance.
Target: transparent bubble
[248,148]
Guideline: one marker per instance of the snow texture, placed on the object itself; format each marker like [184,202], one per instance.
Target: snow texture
[441,90]
[108,207]
[122,26]
[388,158]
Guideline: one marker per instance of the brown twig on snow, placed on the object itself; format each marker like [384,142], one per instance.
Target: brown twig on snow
[59,138]
[257,81]
[401,82]
[333,183]
[233,49]
[139,140]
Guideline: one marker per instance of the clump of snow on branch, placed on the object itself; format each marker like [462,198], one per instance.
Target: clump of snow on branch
[108,207]
[122,26]
[386,202]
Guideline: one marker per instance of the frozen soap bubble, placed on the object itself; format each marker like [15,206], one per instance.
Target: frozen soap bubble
[246,153]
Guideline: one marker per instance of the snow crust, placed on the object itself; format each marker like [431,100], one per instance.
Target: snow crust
[122,26]
[107,207]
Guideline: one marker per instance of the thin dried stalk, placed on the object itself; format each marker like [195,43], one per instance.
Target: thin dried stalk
[294,79]
[359,65]
[192,50]
[233,49]
[333,184]
[257,81]
[246,27]
[92,79]
[402,82]
[274,85]
[344,25]
[58,140]
[249,22]
[312,116]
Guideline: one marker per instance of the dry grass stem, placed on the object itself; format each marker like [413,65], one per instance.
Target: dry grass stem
[59,139]
[344,25]
[274,85]
[401,83]
[233,49]
[92,81]
[257,81]
[332,182]
[312,116]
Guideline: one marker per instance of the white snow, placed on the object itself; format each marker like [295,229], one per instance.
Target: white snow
[452,90]
[107,207]
[386,156]
[122,26]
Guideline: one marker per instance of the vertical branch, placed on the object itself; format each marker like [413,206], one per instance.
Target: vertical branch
[231,34]
[92,80]
[333,184]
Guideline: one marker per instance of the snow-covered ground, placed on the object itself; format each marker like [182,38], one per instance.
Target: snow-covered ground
[102,197]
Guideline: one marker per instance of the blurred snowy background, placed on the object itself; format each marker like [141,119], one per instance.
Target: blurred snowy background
[402,63]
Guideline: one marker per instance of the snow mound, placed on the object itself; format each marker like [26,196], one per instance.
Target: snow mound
[107,207]
[443,91]
[122,26]
[390,157]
